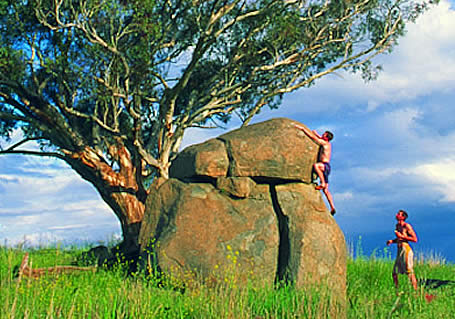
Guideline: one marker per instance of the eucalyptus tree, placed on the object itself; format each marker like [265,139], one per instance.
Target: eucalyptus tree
[110,86]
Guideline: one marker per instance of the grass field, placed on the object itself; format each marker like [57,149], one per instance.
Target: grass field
[112,294]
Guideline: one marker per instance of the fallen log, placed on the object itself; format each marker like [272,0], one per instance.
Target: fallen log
[27,271]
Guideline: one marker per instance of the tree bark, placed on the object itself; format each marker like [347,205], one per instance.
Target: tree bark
[119,189]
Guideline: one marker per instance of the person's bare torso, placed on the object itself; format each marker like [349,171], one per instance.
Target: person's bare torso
[325,152]
[404,229]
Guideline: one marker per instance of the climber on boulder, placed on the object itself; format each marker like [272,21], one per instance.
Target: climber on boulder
[322,166]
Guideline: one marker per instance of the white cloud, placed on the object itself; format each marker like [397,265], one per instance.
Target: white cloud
[440,174]
[46,195]
[423,63]
[8,178]
[36,185]
[424,60]
[376,175]
[197,135]
[390,154]
[70,227]
[17,136]
[47,228]
[407,155]
[29,220]
[343,196]
[37,239]
[401,121]
[88,207]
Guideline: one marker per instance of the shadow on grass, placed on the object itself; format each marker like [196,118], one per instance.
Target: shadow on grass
[435,283]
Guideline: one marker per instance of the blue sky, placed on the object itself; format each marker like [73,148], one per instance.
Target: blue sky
[394,148]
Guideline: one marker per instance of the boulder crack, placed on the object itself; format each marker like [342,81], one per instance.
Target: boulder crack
[228,148]
[283,274]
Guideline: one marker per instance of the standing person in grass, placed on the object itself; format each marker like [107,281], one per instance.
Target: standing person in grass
[404,262]
[322,166]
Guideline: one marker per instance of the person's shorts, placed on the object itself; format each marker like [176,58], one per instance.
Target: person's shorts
[404,263]
[326,172]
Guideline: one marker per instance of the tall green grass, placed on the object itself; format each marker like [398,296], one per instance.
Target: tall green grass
[114,294]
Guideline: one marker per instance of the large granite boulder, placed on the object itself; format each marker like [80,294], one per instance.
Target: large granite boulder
[271,149]
[200,228]
[244,203]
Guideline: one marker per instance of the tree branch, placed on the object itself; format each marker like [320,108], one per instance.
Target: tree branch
[13,117]
[25,140]
[34,153]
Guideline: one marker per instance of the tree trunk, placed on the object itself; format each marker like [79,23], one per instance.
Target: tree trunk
[129,209]
[119,189]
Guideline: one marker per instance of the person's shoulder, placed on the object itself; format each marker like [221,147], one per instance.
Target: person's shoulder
[324,142]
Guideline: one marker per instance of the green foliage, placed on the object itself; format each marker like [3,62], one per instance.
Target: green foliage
[112,294]
[124,62]
[90,79]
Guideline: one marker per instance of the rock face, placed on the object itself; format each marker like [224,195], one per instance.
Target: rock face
[200,228]
[244,203]
[271,149]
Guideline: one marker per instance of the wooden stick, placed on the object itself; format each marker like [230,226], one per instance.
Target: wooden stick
[26,271]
